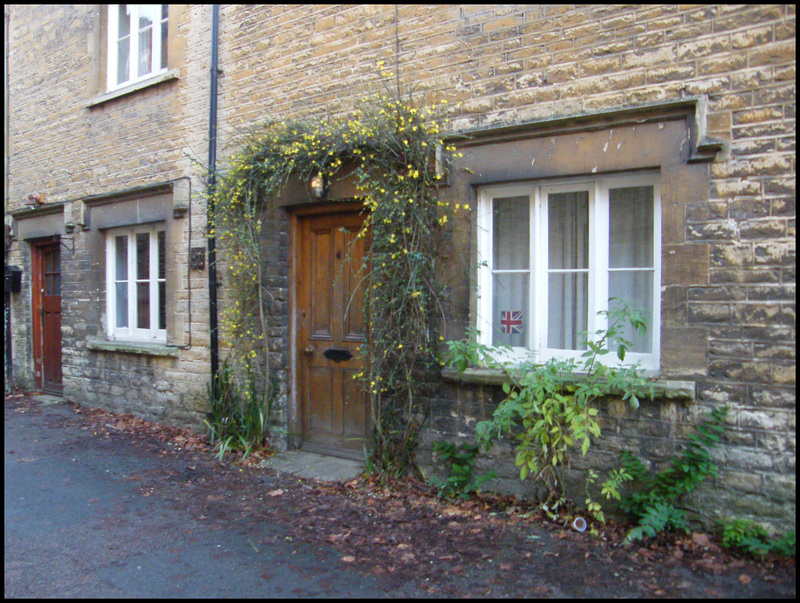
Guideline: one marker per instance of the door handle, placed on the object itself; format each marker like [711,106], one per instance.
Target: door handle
[309,350]
[337,354]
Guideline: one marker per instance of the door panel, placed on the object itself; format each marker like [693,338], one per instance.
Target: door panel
[353,322]
[330,303]
[47,317]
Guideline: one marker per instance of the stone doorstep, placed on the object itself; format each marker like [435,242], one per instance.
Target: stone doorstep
[314,466]
[48,399]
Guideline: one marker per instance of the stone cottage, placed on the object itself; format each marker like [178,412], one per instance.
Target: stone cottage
[646,152]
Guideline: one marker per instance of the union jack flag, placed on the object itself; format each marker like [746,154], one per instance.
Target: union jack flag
[511,321]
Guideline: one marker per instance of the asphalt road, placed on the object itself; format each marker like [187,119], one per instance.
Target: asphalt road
[78,522]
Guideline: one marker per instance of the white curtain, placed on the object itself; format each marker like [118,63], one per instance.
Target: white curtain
[568,263]
[511,252]
[630,255]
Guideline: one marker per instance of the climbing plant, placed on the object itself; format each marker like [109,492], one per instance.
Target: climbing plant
[399,158]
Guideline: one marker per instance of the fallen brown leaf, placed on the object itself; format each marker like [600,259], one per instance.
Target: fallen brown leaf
[337,537]
[701,539]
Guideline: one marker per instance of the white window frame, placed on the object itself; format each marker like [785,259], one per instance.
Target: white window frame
[598,253]
[131,331]
[133,52]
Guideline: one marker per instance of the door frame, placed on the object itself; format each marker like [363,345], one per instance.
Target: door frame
[38,248]
[296,214]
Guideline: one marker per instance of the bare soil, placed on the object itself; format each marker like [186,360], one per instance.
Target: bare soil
[490,545]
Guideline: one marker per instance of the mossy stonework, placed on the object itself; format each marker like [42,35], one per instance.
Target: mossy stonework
[702,98]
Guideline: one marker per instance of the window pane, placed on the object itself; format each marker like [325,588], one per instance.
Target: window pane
[511,236]
[123,60]
[122,304]
[143,255]
[52,283]
[567,309]
[162,305]
[568,230]
[147,14]
[145,52]
[121,258]
[635,287]
[142,305]
[164,32]
[511,309]
[124,21]
[631,227]
[162,266]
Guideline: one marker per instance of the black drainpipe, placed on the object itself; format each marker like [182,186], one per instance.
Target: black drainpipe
[212,165]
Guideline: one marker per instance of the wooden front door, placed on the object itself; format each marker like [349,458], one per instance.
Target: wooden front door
[46,280]
[330,296]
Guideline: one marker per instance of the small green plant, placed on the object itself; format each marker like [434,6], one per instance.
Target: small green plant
[550,407]
[460,482]
[656,496]
[610,489]
[786,544]
[239,413]
[463,353]
[748,536]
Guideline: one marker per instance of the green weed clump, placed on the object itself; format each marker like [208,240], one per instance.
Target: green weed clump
[239,414]
[655,499]
[752,538]
[461,480]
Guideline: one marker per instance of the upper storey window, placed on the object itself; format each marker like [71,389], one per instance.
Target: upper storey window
[137,42]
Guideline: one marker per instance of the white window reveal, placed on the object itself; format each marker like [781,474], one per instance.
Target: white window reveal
[136,283]
[553,253]
[137,42]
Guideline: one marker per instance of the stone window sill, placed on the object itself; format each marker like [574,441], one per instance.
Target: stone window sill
[669,389]
[130,347]
[167,76]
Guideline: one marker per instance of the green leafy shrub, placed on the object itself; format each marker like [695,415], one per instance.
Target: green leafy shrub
[461,480]
[786,544]
[748,536]
[654,501]
[550,407]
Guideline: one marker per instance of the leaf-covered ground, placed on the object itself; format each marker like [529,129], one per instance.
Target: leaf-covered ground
[488,546]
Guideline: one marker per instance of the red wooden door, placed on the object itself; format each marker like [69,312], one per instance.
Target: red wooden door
[330,328]
[46,279]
